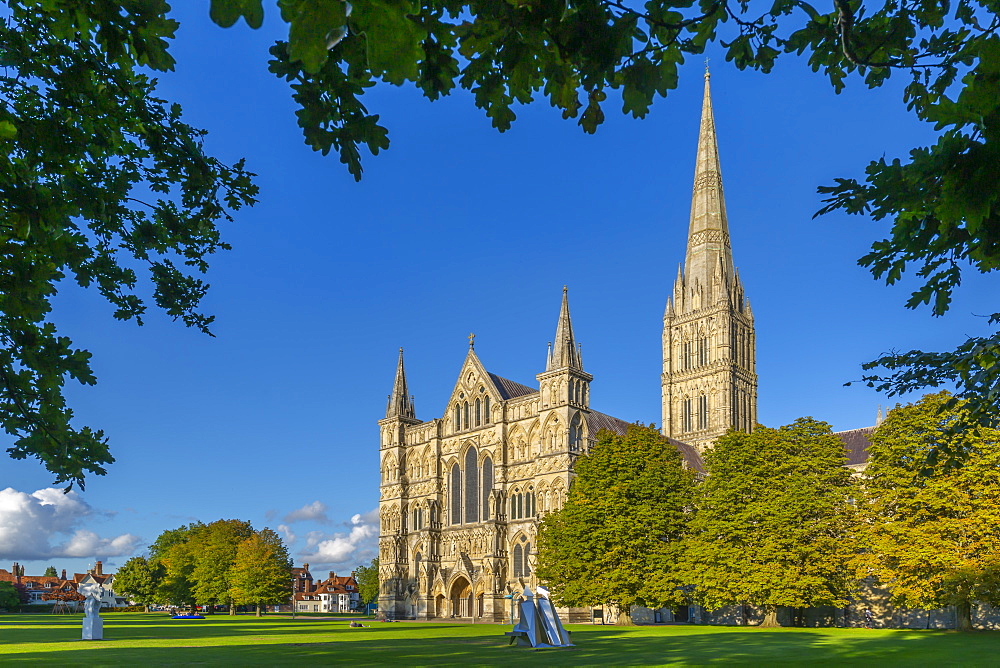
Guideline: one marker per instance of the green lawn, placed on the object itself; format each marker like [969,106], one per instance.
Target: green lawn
[155,640]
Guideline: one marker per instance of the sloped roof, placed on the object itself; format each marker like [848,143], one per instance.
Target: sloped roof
[597,421]
[692,458]
[509,389]
[856,443]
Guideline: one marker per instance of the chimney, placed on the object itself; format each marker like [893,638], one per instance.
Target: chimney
[305,567]
[63,575]
[98,568]
[333,574]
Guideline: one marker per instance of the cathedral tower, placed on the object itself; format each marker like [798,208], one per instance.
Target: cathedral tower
[709,379]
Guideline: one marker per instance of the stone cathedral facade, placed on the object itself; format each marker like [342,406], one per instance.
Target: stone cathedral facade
[462,494]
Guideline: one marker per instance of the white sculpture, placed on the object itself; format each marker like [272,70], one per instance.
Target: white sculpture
[93,625]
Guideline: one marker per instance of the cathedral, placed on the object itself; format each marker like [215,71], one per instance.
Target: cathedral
[462,494]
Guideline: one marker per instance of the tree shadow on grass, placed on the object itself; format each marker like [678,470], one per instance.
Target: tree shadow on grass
[417,645]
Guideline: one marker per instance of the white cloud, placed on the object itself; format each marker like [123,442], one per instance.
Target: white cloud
[311,512]
[357,545]
[31,526]
[287,532]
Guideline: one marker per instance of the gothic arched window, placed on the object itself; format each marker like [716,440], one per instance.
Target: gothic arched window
[479,412]
[458,417]
[703,412]
[466,408]
[518,561]
[471,486]
[456,494]
[487,486]
[486,402]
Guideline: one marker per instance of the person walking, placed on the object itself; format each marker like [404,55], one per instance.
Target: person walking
[869,619]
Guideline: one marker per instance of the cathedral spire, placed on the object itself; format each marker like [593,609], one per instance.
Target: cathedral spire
[565,352]
[400,402]
[708,234]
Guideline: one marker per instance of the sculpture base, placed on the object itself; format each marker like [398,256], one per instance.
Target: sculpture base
[93,628]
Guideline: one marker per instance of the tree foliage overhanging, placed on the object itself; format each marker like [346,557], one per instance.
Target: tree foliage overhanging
[103,183]
[943,201]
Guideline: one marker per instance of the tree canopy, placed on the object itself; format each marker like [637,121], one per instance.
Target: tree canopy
[774,524]
[933,527]
[139,579]
[51,572]
[214,548]
[262,571]
[9,597]
[619,536]
[367,578]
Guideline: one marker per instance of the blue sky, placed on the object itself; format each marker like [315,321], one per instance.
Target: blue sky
[459,229]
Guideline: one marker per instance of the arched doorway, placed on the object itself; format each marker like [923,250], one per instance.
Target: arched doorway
[439,606]
[461,598]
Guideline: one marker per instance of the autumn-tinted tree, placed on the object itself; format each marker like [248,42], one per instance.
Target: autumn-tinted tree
[368,584]
[774,523]
[140,579]
[619,536]
[933,528]
[214,551]
[262,573]
[51,572]
[101,184]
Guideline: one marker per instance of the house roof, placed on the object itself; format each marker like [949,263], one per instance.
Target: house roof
[856,443]
[509,389]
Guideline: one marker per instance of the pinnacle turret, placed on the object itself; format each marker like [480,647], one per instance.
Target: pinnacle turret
[400,401]
[564,351]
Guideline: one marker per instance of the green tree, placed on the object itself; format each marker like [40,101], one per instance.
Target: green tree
[368,584]
[51,572]
[619,536]
[262,573]
[103,184]
[9,598]
[173,550]
[933,533]
[214,552]
[774,521]
[139,579]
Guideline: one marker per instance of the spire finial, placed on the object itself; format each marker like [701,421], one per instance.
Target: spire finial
[564,351]
[472,341]
[400,401]
[707,73]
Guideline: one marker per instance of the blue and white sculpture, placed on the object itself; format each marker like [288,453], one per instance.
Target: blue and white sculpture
[538,624]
